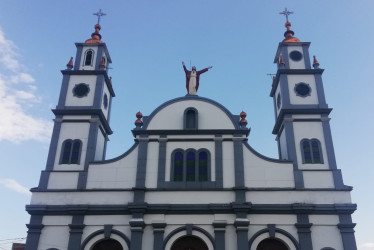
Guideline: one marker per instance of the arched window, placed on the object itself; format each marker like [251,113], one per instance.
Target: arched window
[88,58]
[203,166]
[190,175]
[178,166]
[190,165]
[108,244]
[190,118]
[271,244]
[189,242]
[311,151]
[71,150]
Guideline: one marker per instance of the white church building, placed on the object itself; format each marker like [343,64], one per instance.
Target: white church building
[194,183]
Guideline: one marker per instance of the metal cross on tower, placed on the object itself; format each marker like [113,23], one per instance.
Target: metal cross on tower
[99,15]
[286,13]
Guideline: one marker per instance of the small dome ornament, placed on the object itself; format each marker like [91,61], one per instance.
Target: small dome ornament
[70,64]
[95,37]
[243,122]
[139,122]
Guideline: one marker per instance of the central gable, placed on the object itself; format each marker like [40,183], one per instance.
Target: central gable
[191,112]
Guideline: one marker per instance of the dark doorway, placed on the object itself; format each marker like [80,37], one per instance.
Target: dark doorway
[189,243]
[271,244]
[109,244]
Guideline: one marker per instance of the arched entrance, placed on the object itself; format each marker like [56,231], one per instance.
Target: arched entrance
[108,244]
[189,243]
[271,244]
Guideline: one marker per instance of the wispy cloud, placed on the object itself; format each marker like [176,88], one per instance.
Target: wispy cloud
[367,246]
[17,93]
[15,186]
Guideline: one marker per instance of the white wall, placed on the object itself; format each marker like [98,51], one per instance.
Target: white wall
[88,100]
[295,99]
[259,173]
[299,64]
[118,174]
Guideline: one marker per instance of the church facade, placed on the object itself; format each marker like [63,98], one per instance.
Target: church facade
[194,183]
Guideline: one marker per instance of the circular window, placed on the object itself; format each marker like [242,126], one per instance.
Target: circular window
[279,101]
[105,101]
[302,89]
[81,90]
[296,55]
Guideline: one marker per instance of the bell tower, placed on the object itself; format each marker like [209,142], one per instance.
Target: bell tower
[81,124]
[302,126]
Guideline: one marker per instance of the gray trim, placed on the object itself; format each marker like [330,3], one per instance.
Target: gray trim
[196,118]
[99,45]
[219,160]
[347,232]
[283,71]
[320,91]
[158,235]
[141,170]
[239,169]
[306,56]
[136,234]
[84,111]
[54,144]
[166,132]
[161,161]
[291,152]
[297,110]
[329,145]
[278,230]
[78,57]
[99,56]
[76,231]
[118,157]
[219,234]
[188,228]
[241,234]
[44,179]
[33,233]
[265,157]
[303,230]
[64,90]
[107,230]
[285,57]
[220,208]
[91,72]
[147,119]
[99,92]
[101,231]
[281,45]
[90,154]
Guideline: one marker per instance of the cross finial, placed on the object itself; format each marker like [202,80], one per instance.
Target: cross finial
[286,13]
[99,15]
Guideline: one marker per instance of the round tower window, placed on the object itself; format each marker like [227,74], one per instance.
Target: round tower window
[81,90]
[105,101]
[302,89]
[296,55]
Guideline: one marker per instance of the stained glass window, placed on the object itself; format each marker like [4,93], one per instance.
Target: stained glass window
[71,152]
[190,175]
[203,166]
[178,166]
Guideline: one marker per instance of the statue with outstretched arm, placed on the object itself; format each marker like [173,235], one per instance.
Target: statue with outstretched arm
[192,78]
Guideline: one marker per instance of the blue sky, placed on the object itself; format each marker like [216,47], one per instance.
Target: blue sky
[147,40]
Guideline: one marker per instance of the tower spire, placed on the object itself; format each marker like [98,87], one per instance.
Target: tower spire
[289,34]
[99,14]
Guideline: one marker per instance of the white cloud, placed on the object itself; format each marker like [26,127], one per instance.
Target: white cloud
[367,246]
[16,124]
[15,186]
